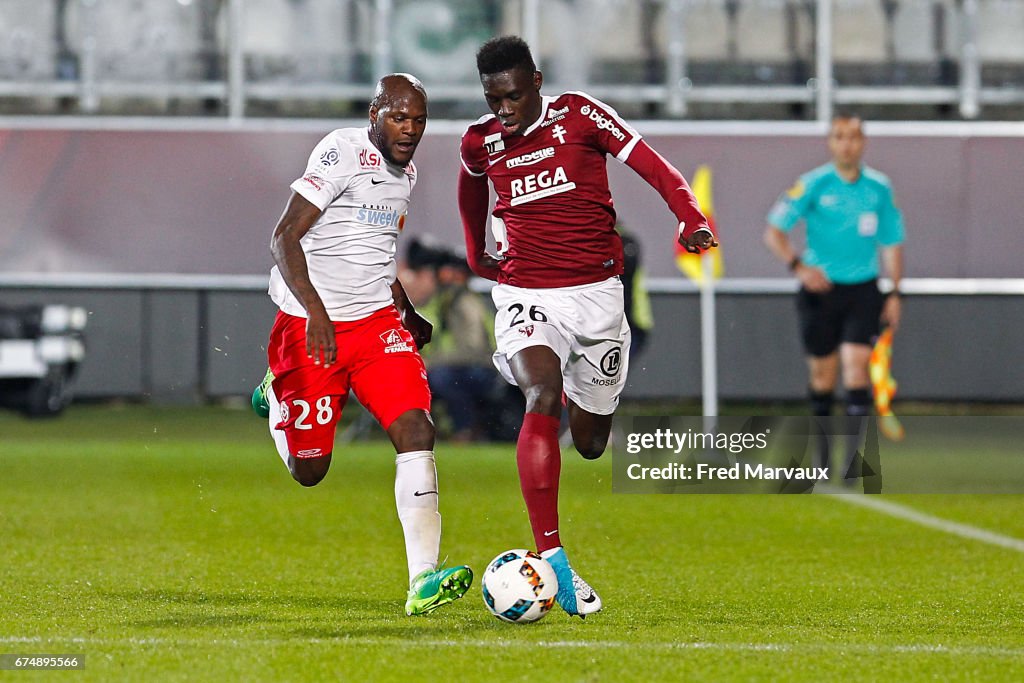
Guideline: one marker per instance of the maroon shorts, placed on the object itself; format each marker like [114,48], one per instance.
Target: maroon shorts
[377,360]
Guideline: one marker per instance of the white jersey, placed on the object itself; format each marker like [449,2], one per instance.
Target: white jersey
[350,250]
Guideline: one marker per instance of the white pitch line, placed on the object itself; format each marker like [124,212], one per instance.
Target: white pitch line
[862,648]
[938,523]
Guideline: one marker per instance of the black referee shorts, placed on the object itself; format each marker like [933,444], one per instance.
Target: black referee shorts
[845,313]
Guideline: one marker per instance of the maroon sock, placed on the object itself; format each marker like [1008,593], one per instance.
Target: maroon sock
[540,461]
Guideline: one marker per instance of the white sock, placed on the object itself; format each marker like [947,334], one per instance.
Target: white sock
[416,499]
[275,416]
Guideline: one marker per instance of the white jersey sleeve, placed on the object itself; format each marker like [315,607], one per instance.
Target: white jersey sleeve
[330,168]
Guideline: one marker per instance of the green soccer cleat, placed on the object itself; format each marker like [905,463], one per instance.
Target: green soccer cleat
[433,588]
[260,405]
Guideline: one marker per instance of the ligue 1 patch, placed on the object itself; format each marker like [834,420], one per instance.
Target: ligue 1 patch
[796,191]
[330,157]
[284,411]
[494,144]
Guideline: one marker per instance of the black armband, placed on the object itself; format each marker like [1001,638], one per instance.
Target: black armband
[795,263]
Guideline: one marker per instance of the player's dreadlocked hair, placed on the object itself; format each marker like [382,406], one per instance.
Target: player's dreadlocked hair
[504,54]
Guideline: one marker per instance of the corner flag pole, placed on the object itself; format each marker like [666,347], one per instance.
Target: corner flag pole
[708,346]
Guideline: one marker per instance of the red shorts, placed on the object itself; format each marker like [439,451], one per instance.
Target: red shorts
[377,360]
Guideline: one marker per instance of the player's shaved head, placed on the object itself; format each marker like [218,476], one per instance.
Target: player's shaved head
[504,54]
[398,117]
[395,87]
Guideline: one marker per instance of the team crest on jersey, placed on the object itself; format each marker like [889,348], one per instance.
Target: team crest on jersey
[394,342]
[494,144]
[526,330]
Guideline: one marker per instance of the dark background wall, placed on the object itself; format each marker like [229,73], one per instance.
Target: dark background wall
[183,346]
[206,201]
[142,202]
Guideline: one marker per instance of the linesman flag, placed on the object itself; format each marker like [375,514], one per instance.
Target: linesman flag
[880,367]
[691,264]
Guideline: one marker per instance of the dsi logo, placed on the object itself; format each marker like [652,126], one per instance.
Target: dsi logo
[369,159]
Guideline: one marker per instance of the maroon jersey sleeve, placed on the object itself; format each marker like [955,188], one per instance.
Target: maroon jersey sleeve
[474,198]
[670,184]
[609,132]
[473,149]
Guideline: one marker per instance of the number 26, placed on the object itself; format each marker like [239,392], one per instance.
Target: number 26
[535,313]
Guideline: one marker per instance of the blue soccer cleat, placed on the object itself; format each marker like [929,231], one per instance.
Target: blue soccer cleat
[574,595]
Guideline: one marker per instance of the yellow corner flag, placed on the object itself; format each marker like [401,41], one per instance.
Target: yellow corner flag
[692,265]
[880,366]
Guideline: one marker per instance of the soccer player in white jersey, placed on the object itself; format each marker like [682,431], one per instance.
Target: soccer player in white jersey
[345,323]
[560,324]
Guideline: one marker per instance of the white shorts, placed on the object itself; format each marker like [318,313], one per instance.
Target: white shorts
[584,325]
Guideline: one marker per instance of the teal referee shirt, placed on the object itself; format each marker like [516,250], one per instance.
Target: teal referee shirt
[846,222]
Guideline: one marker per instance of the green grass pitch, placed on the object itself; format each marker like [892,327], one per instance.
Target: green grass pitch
[168,545]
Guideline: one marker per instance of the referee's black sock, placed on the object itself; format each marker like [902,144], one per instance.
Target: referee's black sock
[858,407]
[858,402]
[821,406]
[821,402]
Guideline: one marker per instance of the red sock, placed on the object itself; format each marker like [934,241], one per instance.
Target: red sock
[540,462]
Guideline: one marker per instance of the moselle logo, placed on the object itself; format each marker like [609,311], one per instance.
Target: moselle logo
[531,158]
[611,362]
[314,180]
[369,158]
[555,115]
[603,123]
[394,342]
[382,219]
[526,330]
[539,185]
[493,143]
[330,157]
[309,453]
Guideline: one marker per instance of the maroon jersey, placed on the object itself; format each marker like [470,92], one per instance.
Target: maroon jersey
[554,221]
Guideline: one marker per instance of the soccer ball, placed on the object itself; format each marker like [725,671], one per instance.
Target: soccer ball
[519,586]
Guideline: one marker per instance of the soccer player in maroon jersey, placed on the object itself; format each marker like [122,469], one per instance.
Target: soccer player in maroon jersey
[560,325]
